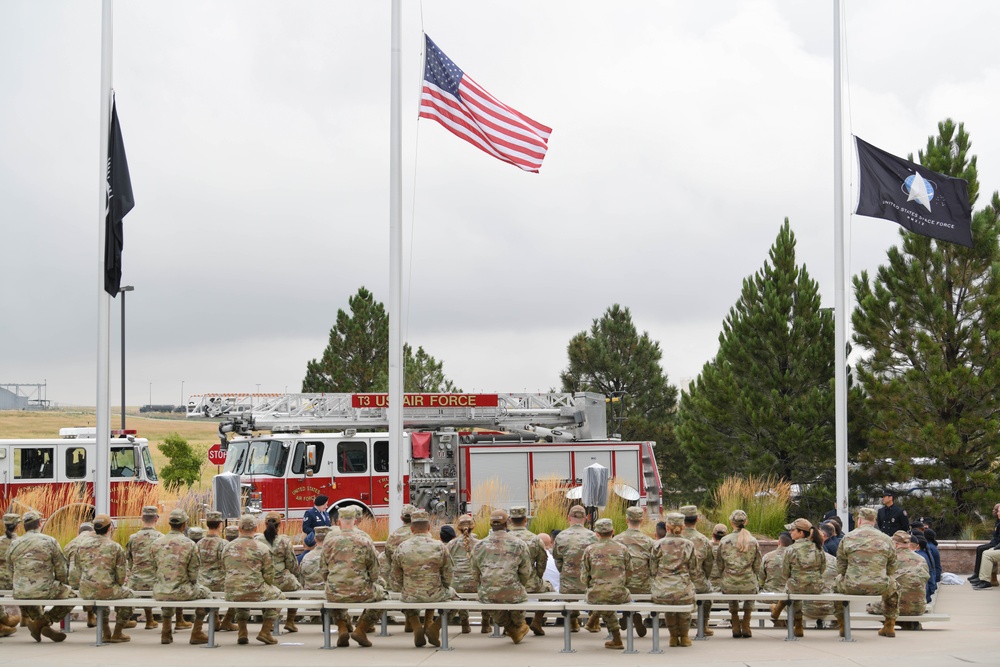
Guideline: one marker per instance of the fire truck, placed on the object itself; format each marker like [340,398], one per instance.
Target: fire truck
[69,460]
[289,449]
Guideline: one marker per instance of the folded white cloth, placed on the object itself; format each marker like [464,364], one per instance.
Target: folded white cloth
[949,579]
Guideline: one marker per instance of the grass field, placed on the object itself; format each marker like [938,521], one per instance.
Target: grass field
[199,433]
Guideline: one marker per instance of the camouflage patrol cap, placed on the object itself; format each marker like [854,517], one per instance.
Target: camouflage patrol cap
[178,517]
[248,522]
[800,524]
[689,510]
[101,521]
[498,518]
[196,534]
[867,513]
[321,532]
[273,516]
[465,520]
[213,516]
[518,512]
[604,526]
[738,516]
[348,513]
[419,516]
[150,512]
[31,515]
[232,532]
[674,519]
[577,512]
[407,510]
[634,513]
[11,519]
[720,528]
[901,536]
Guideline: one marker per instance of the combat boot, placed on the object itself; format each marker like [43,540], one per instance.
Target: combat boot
[407,627]
[840,620]
[418,632]
[47,631]
[151,623]
[574,624]
[616,640]
[226,624]
[536,624]
[7,630]
[360,634]
[638,625]
[745,625]
[130,623]
[671,621]
[888,628]
[797,628]
[343,636]
[432,628]
[593,623]
[466,628]
[264,636]
[105,630]
[91,618]
[683,632]
[198,635]
[705,630]
[517,632]
[119,636]
[241,627]
[776,610]
[179,622]
[166,636]
[487,622]
[290,621]
[734,619]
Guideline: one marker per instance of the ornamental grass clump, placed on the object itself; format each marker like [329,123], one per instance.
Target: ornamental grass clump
[765,500]
[491,494]
[548,505]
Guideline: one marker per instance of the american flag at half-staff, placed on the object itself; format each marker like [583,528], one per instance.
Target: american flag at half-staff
[461,105]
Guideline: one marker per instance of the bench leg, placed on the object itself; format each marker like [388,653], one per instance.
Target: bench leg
[384,630]
[656,631]
[847,622]
[100,624]
[702,619]
[790,615]
[567,646]
[629,645]
[325,615]
[213,617]
[444,631]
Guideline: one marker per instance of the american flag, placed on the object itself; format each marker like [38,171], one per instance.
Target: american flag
[461,105]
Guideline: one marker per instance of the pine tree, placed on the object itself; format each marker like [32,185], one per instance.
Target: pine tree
[929,324]
[765,404]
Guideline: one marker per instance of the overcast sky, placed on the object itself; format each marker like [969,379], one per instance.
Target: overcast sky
[257,136]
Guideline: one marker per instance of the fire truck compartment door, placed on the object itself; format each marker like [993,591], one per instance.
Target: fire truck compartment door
[491,470]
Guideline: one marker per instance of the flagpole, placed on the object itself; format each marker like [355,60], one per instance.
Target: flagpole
[102,459]
[840,301]
[397,458]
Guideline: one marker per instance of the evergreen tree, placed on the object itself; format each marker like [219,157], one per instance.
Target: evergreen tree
[930,324]
[356,359]
[614,360]
[765,404]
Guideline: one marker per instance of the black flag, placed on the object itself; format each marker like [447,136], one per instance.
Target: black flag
[923,201]
[118,202]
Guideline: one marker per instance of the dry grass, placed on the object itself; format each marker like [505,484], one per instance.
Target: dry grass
[764,499]
[490,495]
[549,505]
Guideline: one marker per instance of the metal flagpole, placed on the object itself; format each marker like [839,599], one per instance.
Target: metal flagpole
[840,302]
[397,455]
[102,484]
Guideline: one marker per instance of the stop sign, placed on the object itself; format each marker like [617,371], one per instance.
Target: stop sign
[215,455]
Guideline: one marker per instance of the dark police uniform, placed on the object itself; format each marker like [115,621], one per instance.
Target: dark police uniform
[893,518]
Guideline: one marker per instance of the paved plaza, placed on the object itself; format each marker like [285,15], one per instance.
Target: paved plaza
[971,637]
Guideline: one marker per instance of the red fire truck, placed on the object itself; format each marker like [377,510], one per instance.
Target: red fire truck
[69,460]
[288,450]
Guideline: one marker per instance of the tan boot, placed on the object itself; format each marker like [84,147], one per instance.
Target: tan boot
[432,628]
[485,629]
[198,635]
[537,623]
[407,627]
[517,632]
[241,627]
[734,619]
[683,632]
[166,636]
[91,619]
[179,622]
[54,635]
[290,621]
[418,632]
[706,630]
[797,629]
[616,640]
[574,624]
[7,630]
[360,634]
[119,636]
[151,623]
[593,623]
[130,623]
[840,620]
[105,630]
[745,625]
[264,636]
[888,628]
[675,639]
[226,624]
[640,627]
[776,610]
[343,636]
[466,628]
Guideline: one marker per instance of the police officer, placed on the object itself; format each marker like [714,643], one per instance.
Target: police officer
[604,571]
[866,564]
[501,568]
[424,569]
[892,517]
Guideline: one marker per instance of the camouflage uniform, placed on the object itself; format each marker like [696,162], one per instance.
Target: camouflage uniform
[250,575]
[670,565]
[866,563]
[103,572]
[212,574]
[139,557]
[501,568]
[462,580]
[424,569]
[803,566]
[703,552]
[739,569]
[640,549]
[604,571]
[349,567]
[536,552]
[392,543]
[177,569]
[821,609]
[72,566]
[10,617]
[309,573]
[38,570]
[911,580]
[770,577]
[286,566]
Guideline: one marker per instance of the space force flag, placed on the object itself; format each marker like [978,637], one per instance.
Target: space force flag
[118,202]
[923,201]
[453,99]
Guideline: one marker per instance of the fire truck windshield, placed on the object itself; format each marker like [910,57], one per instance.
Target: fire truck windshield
[123,462]
[258,457]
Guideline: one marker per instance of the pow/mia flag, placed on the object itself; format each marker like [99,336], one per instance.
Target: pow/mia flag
[923,201]
[118,202]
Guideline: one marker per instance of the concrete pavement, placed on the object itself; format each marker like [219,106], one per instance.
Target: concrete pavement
[970,637]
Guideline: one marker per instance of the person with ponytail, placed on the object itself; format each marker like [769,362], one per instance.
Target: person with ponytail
[803,565]
[671,562]
[461,558]
[739,561]
[286,566]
